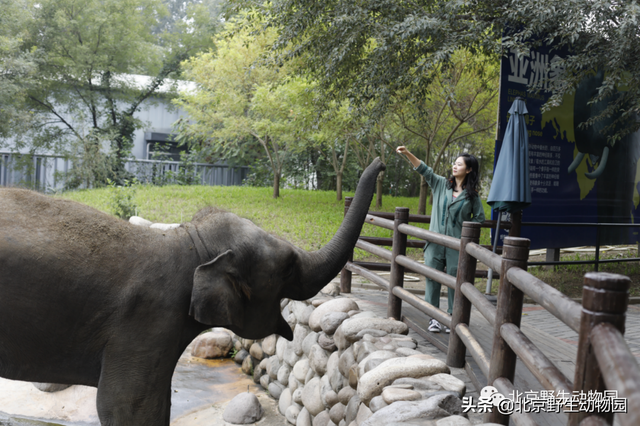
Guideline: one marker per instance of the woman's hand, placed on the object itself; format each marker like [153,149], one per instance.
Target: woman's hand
[402,150]
[412,158]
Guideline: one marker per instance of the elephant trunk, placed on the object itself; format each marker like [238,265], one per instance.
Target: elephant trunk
[320,267]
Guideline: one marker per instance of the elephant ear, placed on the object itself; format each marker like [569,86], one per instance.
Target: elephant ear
[217,296]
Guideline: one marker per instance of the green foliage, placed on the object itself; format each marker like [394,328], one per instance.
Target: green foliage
[243,104]
[17,65]
[122,199]
[372,51]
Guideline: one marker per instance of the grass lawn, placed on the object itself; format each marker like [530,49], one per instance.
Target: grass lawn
[309,219]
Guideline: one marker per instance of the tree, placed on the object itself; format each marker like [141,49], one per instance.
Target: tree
[371,51]
[240,100]
[17,67]
[87,92]
[460,107]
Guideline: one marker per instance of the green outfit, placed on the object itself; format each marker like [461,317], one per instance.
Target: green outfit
[447,216]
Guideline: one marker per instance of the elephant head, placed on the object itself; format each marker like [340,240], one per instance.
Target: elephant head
[591,140]
[251,270]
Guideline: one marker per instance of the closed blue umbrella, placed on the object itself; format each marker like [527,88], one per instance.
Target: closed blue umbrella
[510,189]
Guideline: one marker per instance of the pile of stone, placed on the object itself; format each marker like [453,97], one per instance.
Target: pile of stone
[347,367]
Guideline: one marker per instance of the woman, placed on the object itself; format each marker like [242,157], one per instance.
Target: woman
[455,200]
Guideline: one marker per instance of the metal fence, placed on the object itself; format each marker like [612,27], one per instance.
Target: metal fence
[48,173]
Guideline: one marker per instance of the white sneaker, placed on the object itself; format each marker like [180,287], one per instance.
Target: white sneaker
[434,326]
[447,330]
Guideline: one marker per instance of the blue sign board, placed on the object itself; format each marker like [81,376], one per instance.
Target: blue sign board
[603,186]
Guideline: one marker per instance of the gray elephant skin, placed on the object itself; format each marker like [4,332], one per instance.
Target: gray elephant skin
[86,298]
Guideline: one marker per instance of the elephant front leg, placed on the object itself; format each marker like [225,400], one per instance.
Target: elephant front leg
[131,393]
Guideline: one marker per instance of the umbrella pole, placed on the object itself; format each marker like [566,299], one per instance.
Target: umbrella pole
[495,245]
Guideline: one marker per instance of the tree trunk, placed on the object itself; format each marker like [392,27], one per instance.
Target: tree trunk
[422,203]
[339,186]
[379,190]
[276,185]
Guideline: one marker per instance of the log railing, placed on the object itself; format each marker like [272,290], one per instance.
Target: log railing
[604,361]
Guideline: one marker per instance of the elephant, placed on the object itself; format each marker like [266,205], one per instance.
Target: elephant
[90,299]
[617,163]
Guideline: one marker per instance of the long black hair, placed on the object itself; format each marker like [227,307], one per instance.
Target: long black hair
[472,180]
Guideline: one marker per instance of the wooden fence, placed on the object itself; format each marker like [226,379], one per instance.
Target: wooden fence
[604,361]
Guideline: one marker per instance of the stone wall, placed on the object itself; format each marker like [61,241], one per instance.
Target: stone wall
[347,367]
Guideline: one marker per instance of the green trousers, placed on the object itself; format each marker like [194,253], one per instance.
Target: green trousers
[432,290]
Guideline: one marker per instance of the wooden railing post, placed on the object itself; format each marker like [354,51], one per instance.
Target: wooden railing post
[345,274]
[515,253]
[604,299]
[461,305]
[399,247]
[516,224]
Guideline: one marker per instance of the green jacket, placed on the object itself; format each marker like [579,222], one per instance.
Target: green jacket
[447,215]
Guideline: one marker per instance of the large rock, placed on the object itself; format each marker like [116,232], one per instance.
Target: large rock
[363,414]
[304,418]
[322,419]
[392,394]
[50,387]
[265,380]
[450,383]
[335,305]
[352,326]
[312,397]
[301,369]
[272,367]
[318,359]
[347,359]
[283,374]
[256,351]
[403,411]
[331,321]
[309,341]
[373,360]
[247,366]
[214,344]
[281,347]
[326,342]
[422,384]
[337,412]
[243,409]
[340,339]
[284,401]
[302,311]
[290,356]
[294,383]
[299,334]
[335,378]
[240,356]
[456,421]
[275,390]
[352,409]
[269,344]
[372,382]
[345,394]
[292,413]
[377,403]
